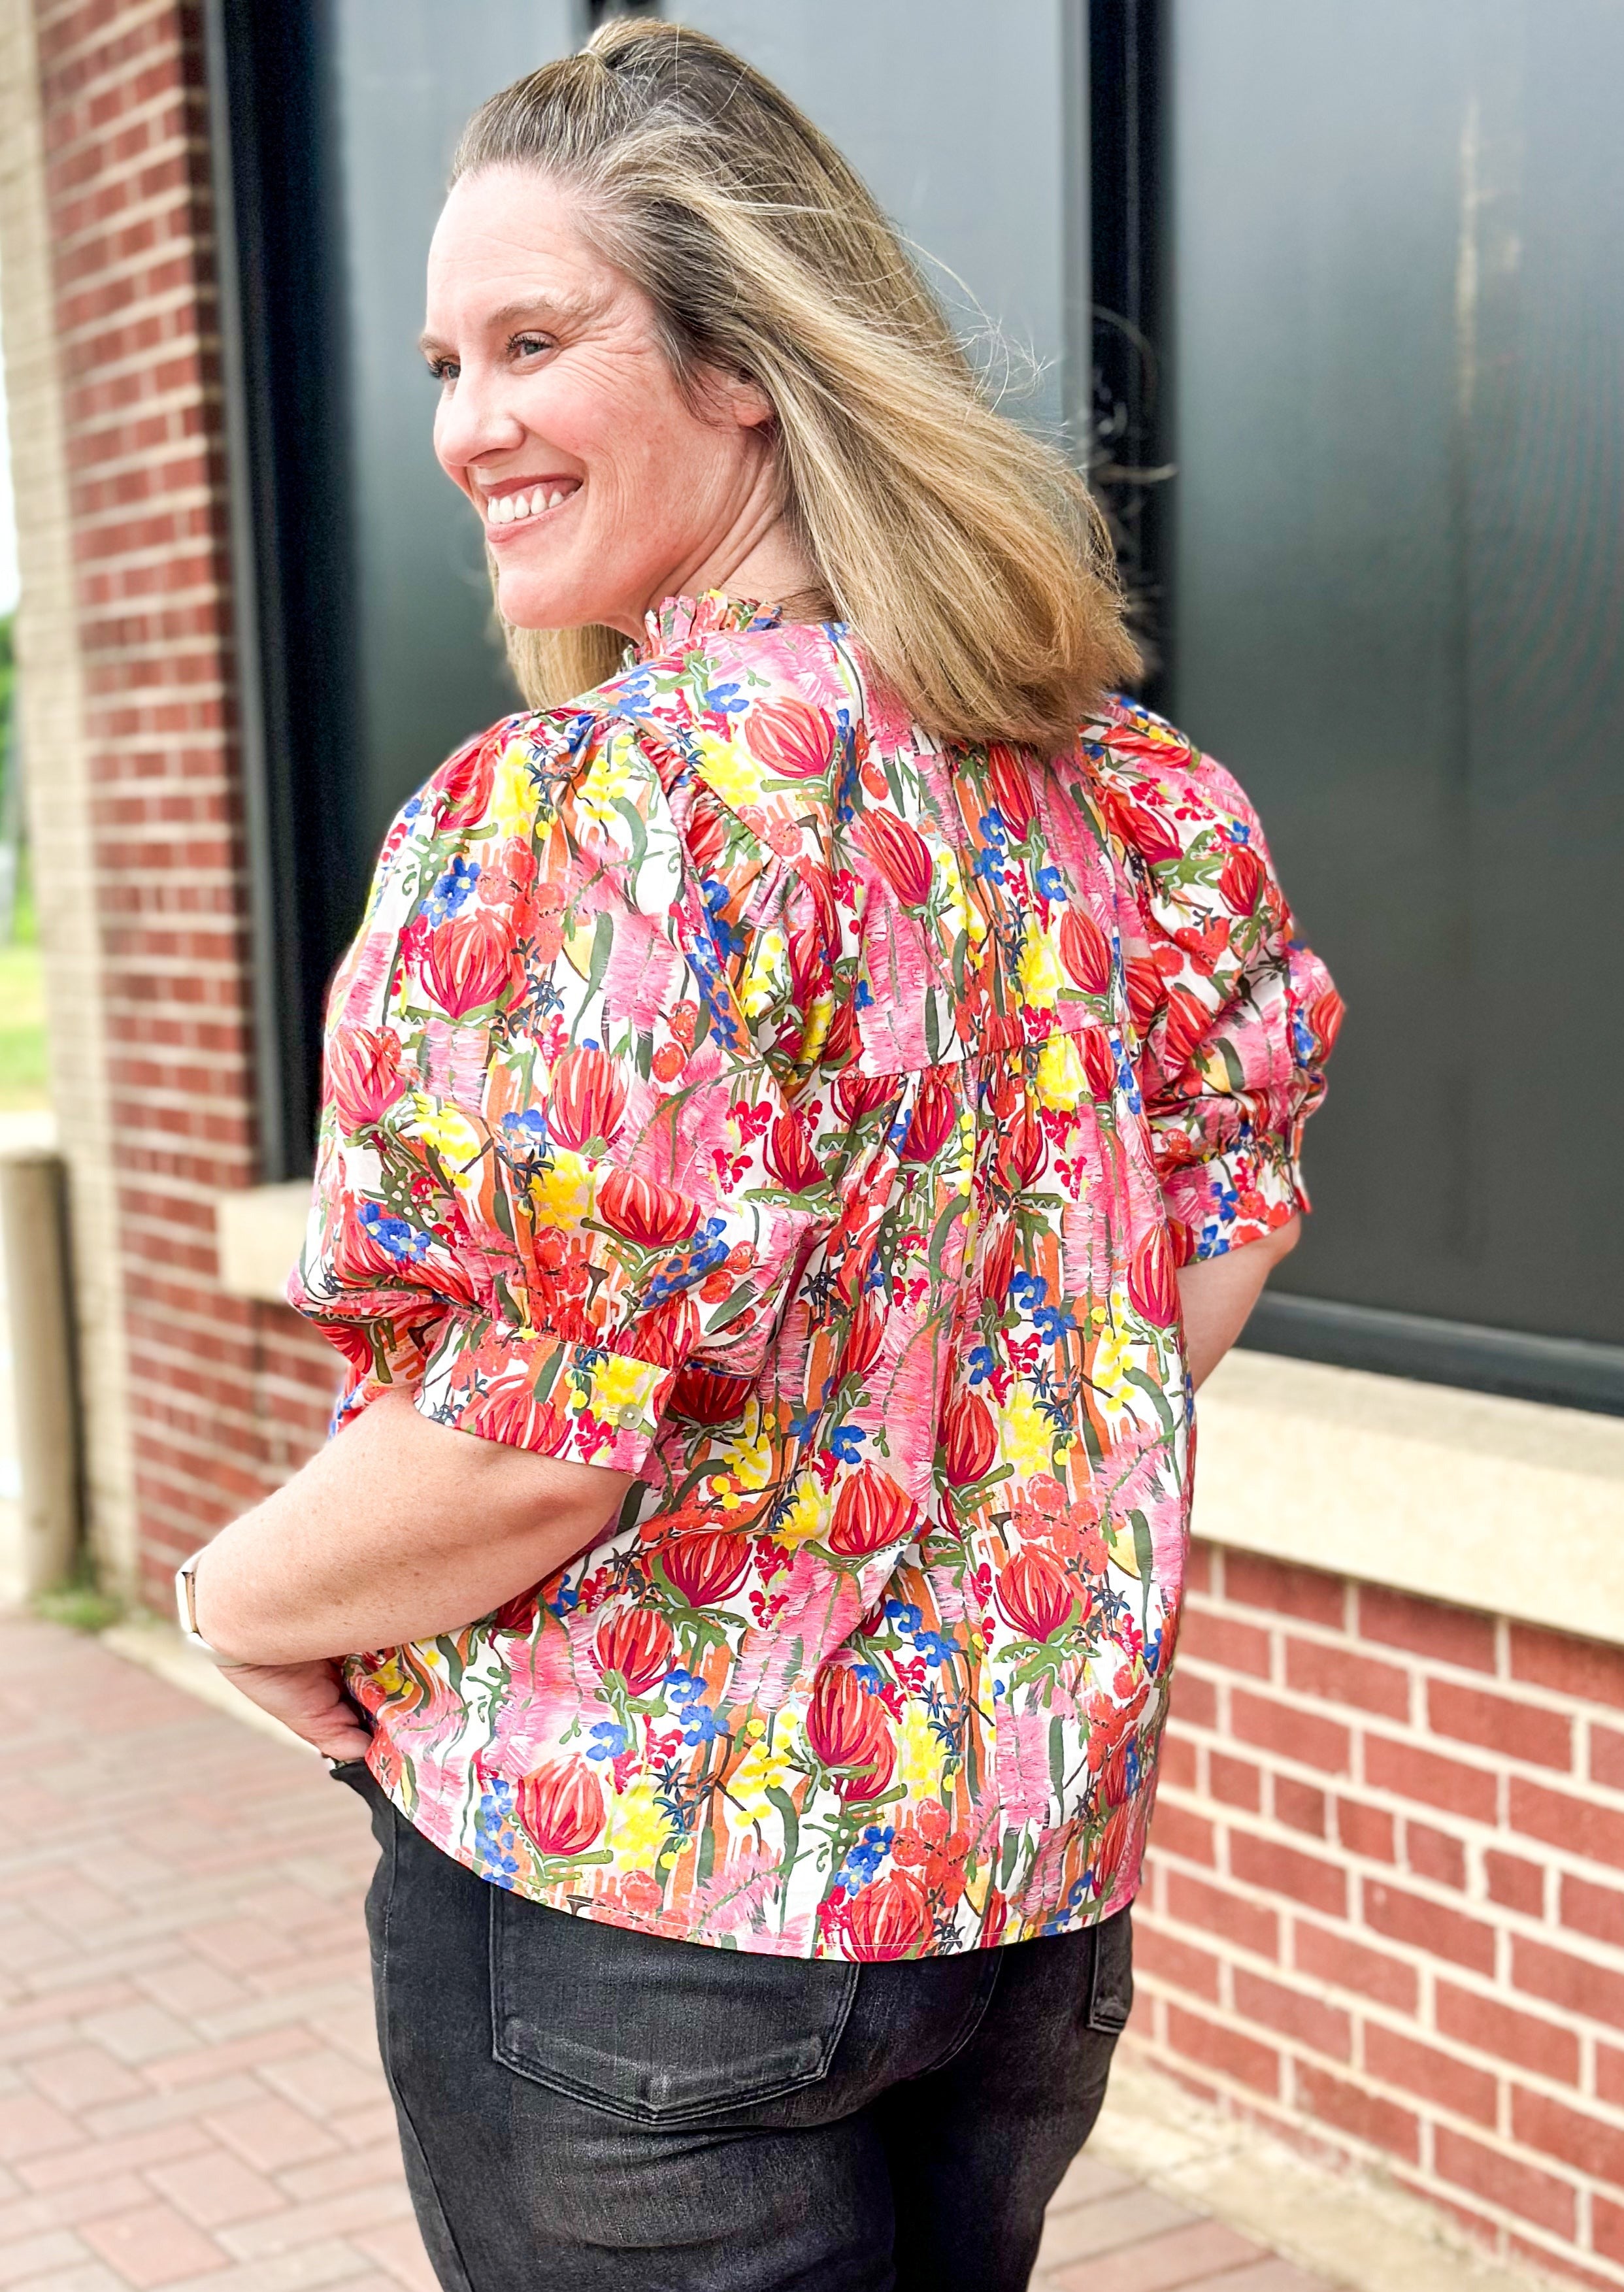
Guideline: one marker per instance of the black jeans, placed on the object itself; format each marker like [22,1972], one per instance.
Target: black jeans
[591,2110]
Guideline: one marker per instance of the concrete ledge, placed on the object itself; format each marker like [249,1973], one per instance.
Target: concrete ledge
[1351,2224]
[259,1233]
[1420,1487]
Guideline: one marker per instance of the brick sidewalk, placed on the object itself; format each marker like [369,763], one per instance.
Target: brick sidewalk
[188,2087]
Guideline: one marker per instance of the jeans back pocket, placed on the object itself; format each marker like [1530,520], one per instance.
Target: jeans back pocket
[663,2032]
[1111,1977]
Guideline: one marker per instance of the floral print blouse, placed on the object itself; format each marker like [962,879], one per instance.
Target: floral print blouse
[733,1086]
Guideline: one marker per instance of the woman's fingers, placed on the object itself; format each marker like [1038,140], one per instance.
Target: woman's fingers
[308,1700]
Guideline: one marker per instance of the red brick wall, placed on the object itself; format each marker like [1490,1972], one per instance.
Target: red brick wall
[225,1396]
[1386,1894]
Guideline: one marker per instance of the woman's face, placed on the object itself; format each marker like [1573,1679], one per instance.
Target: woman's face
[601,489]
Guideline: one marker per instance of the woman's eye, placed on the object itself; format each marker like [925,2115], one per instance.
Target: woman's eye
[529,346]
[444,370]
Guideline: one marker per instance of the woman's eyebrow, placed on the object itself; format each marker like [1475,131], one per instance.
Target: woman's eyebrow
[552,310]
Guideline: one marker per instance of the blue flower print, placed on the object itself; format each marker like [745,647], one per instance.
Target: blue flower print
[393,1234]
[845,1441]
[453,889]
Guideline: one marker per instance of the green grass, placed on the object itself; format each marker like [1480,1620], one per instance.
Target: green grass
[77,1605]
[22,1021]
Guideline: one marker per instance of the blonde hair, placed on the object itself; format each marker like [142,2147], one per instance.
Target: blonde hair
[966,554]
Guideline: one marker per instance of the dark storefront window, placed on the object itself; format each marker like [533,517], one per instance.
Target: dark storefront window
[1395,329]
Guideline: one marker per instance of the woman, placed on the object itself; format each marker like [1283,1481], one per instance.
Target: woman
[805,1103]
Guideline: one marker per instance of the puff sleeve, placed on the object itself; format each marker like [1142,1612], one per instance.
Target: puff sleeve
[1234,1015]
[556,1169]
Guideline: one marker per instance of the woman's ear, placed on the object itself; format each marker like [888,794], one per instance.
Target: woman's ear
[745,401]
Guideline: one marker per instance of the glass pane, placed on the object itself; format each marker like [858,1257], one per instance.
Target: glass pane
[1398,341]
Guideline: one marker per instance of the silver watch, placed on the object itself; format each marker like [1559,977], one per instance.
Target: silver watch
[186,1607]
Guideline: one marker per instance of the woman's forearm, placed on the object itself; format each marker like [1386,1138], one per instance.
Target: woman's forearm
[1220,1291]
[398,1530]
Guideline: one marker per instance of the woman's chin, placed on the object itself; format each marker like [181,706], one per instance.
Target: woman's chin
[525,603]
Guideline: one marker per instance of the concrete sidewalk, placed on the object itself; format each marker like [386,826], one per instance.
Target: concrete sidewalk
[190,2090]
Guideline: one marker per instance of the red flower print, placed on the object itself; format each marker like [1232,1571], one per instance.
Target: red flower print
[1325,1016]
[1241,879]
[1189,1023]
[705,1397]
[900,853]
[705,1567]
[468,964]
[364,1078]
[866,1335]
[512,1414]
[1036,1595]
[871,1512]
[1146,993]
[969,1437]
[585,1099]
[1144,830]
[645,1212]
[995,1918]
[638,1644]
[858,1095]
[561,1807]
[666,1333]
[706,833]
[1099,1062]
[794,740]
[998,1265]
[1023,1152]
[849,1730]
[935,1114]
[789,1158]
[463,783]
[1152,1279]
[1085,950]
[889,1919]
[1010,788]
[518,1614]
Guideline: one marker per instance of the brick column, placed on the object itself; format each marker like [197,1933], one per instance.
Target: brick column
[223,1397]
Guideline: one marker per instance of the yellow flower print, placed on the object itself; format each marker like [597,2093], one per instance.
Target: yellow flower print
[1026,1437]
[637,1828]
[728,768]
[807,1518]
[621,1387]
[609,779]
[1061,1081]
[765,977]
[963,913]
[563,1193]
[513,792]
[1041,977]
[443,1124]
[751,1457]
[1112,1358]
[764,1768]
[920,1754]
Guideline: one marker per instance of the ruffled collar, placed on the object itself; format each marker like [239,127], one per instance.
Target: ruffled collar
[678,619]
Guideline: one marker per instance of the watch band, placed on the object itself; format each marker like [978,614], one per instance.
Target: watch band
[186,1608]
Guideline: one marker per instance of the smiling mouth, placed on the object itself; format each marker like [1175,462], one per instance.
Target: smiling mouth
[519,504]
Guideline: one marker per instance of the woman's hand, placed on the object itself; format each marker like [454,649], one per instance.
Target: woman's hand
[1220,1291]
[308,1700]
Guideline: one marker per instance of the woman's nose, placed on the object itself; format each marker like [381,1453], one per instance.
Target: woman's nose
[474,420]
